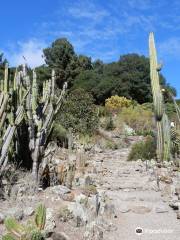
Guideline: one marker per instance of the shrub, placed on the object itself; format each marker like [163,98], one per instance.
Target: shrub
[116,103]
[30,231]
[109,123]
[59,134]
[79,113]
[102,111]
[144,150]
[138,118]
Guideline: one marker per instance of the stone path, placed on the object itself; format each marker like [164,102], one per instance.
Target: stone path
[137,201]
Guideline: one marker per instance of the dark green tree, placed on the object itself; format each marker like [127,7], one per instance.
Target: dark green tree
[61,56]
[79,112]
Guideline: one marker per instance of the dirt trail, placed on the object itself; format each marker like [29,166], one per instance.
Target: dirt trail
[137,201]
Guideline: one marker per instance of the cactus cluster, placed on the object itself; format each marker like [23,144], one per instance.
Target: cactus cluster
[162,121]
[34,231]
[20,103]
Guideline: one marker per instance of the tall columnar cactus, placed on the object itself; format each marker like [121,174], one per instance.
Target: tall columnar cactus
[167,137]
[163,136]
[20,102]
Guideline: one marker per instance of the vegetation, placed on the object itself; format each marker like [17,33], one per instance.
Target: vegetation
[116,103]
[32,231]
[138,118]
[79,112]
[144,150]
[128,77]
[26,116]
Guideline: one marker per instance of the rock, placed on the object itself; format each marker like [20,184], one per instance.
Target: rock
[97,149]
[109,210]
[178,215]
[29,211]
[161,209]
[2,218]
[59,236]
[124,209]
[174,204]
[80,198]
[60,190]
[64,214]
[177,190]
[50,221]
[68,197]
[80,213]
[140,209]
[93,232]
[16,213]
[88,181]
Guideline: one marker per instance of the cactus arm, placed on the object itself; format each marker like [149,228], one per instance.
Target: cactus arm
[154,75]
[6,82]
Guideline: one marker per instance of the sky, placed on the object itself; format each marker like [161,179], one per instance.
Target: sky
[102,29]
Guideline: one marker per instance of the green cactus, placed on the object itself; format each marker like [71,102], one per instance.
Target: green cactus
[6,79]
[19,101]
[14,228]
[8,237]
[29,231]
[36,235]
[163,125]
[40,217]
[167,137]
[34,92]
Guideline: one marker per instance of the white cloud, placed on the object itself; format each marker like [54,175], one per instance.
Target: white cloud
[31,50]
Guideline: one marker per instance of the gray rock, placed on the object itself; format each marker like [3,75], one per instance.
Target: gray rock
[2,218]
[140,209]
[97,149]
[124,209]
[93,231]
[174,204]
[50,221]
[60,190]
[109,210]
[59,236]
[161,209]
[178,215]
[15,212]
[29,211]
[79,212]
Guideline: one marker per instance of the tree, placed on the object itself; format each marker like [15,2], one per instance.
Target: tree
[129,77]
[62,58]
[78,112]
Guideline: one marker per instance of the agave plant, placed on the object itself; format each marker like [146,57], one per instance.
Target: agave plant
[17,231]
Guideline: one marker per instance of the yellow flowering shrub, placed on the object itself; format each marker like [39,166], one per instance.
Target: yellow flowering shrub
[116,103]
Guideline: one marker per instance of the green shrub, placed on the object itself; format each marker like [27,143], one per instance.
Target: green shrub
[109,123]
[144,150]
[138,118]
[102,111]
[30,231]
[59,134]
[111,145]
[79,113]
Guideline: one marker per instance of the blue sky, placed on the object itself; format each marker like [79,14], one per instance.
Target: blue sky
[97,28]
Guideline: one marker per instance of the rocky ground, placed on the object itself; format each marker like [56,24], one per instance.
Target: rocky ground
[110,199]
